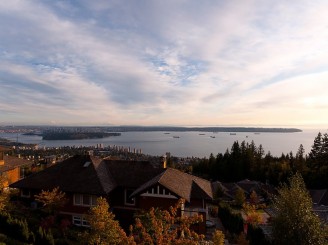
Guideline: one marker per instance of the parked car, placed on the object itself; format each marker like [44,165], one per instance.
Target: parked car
[210,224]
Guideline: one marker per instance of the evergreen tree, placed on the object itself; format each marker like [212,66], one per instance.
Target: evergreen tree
[240,197]
[316,152]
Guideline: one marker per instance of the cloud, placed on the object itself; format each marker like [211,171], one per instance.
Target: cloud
[172,62]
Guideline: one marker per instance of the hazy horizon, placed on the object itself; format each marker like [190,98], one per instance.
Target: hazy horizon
[173,63]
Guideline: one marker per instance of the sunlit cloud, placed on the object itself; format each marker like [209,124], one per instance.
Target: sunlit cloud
[163,63]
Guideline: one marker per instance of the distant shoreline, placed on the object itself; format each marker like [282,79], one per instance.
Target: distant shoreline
[99,131]
[202,129]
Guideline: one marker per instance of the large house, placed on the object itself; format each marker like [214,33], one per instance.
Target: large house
[11,168]
[129,186]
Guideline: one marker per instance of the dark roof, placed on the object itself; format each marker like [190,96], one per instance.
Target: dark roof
[76,174]
[11,162]
[217,185]
[248,186]
[131,174]
[317,195]
[182,184]
[324,200]
[91,175]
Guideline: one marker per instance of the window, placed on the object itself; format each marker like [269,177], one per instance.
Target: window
[85,200]
[25,193]
[80,221]
[77,220]
[127,199]
[77,199]
[94,200]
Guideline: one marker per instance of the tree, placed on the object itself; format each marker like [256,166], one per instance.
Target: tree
[51,200]
[315,154]
[240,197]
[4,198]
[252,217]
[166,227]
[254,199]
[103,228]
[295,223]
[218,237]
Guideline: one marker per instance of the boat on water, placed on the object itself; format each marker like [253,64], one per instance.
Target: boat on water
[176,137]
[212,136]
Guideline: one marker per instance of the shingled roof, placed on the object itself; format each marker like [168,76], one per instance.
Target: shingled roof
[76,174]
[11,162]
[182,184]
[131,174]
[91,175]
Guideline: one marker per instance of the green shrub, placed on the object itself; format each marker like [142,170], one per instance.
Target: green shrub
[44,237]
[231,221]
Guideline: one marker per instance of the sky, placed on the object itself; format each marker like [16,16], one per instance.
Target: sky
[172,62]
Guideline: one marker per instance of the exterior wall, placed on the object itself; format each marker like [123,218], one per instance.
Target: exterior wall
[2,162]
[148,202]
[71,208]
[13,175]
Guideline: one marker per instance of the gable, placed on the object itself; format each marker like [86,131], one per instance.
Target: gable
[159,191]
[180,184]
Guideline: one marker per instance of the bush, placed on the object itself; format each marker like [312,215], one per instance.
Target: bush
[231,221]
[15,228]
[3,238]
[44,237]
[256,236]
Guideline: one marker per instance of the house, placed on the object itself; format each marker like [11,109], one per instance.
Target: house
[11,168]
[227,191]
[129,186]
[320,203]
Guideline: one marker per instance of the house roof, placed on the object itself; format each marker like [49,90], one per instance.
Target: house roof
[4,148]
[324,200]
[317,195]
[76,174]
[91,175]
[182,184]
[130,174]
[248,186]
[11,162]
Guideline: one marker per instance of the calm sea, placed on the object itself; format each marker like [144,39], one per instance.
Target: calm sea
[197,144]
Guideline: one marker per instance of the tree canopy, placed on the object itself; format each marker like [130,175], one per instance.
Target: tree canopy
[51,200]
[104,229]
[294,222]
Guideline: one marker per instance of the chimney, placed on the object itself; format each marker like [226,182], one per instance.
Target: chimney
[163,161]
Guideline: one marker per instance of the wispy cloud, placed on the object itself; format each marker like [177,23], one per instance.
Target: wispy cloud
[172,62]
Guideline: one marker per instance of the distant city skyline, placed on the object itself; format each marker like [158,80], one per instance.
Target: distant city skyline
[168,63]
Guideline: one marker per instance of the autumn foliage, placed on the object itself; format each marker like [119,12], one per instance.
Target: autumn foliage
[166,227]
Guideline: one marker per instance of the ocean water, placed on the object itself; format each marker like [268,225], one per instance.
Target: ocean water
[197,144]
